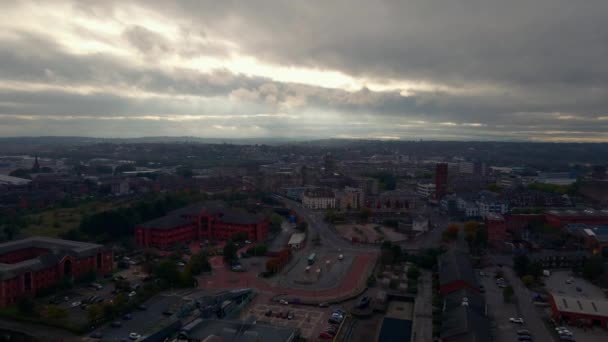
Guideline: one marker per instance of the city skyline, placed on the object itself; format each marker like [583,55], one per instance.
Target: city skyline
[519,70]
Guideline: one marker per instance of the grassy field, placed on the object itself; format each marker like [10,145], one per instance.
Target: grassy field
[55,221]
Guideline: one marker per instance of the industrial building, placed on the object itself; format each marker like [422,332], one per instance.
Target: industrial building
[579,310]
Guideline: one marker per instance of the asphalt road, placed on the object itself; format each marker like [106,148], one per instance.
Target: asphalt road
[528,311]
[422,328]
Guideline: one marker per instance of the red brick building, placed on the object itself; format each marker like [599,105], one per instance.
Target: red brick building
[210,221]
[579,310]
[560,218]
[441,180]
[33,264]
[496,227]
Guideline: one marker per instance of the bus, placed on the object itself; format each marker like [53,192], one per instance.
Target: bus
[311,258]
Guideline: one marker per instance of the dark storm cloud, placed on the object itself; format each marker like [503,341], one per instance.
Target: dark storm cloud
[519,41]
[493,69]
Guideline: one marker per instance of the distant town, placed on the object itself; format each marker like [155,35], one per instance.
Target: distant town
[330,240]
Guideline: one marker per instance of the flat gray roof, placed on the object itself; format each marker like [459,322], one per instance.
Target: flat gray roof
[581,305]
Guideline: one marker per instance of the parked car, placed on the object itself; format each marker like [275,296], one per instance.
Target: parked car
[96,335]
[75,304]
[337,315]
[127,317]
[283,301]
[268,313]
[331,331]
[340,311]
[516,320]
[324,335]
[524,338]
[290,315]
[134,336]
[334,320]
[142,308]
[523,332]
[363,302]
[116,324]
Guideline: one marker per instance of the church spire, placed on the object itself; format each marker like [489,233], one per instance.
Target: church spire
[36,166]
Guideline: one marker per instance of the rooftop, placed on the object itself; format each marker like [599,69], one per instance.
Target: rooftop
[599,232]
[581,305]
[320,192]
[183,216]
[57,250]
[236,331]
[465,323]
[456,265]
[579,212]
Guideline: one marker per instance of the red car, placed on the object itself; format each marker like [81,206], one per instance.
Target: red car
[326,336]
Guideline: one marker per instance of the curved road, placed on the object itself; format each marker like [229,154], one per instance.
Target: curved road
[317,225]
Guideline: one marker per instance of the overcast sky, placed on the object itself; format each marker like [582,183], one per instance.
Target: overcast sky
[450,70]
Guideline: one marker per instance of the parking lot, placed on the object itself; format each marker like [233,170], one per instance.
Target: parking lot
[141,322]
[499,311]
[564,283]
[74,299]
[310,320]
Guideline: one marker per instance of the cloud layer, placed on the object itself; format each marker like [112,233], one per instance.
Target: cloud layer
[467,69]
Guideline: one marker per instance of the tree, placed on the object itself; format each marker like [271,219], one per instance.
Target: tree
[259,250]
[470,227]
[397,253]
[230,251]
[330,216]
[451,233]
[413,272]
[276,221]
[198,263]
[94,313]
[167,272]
[10,230]
[20,173]
[56,312]
[302,226]
[272,265]
[593,267]
[507,294]
[26,305]
[364,214]
[521,264]
[528,280]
